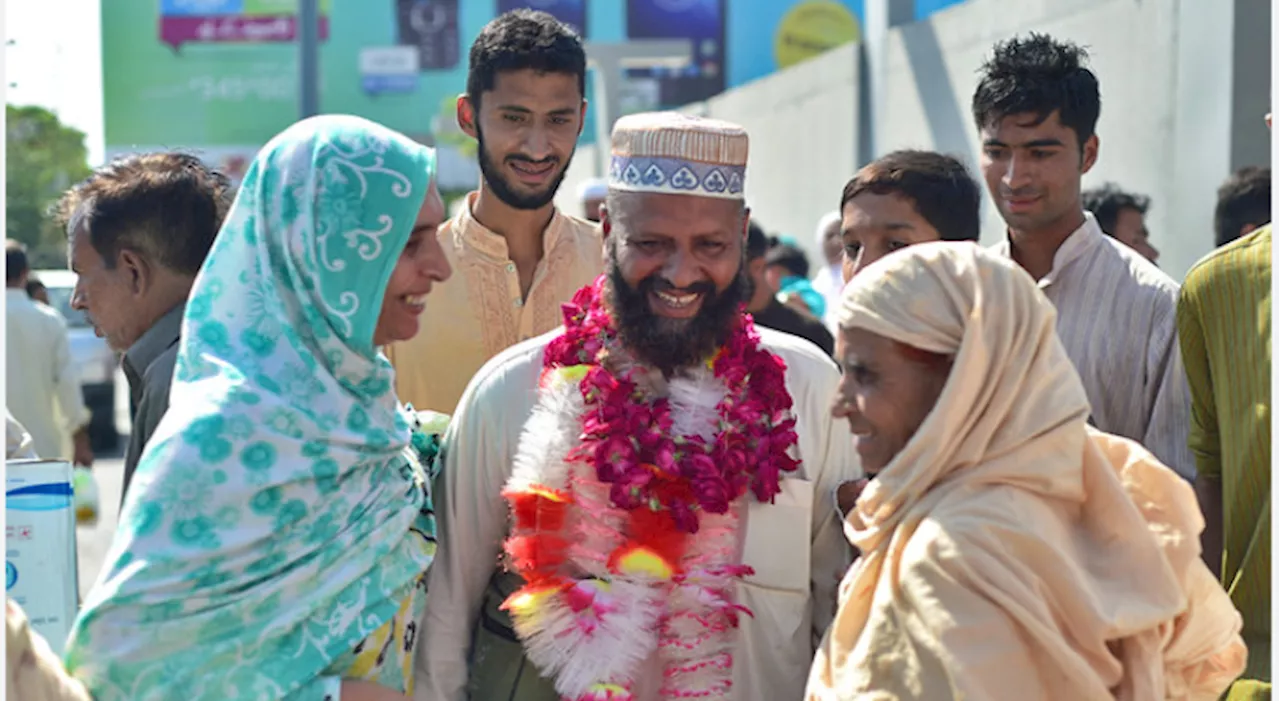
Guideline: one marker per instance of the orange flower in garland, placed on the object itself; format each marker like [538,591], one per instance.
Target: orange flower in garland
[537,548]
[627,436]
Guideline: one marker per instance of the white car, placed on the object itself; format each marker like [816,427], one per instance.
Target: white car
[94,360]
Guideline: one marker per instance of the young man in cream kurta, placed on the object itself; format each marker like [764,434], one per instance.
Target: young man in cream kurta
[515,257]
[794,545]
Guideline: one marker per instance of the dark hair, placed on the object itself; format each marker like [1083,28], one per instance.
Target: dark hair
[1108,201]
[789,257]
[34,285]
[166,206]
[520,40]
[938,185]
[758,242]
[1245,198]
[1039,75]
[15,261]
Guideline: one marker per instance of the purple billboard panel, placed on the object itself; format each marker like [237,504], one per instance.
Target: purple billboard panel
[176,31]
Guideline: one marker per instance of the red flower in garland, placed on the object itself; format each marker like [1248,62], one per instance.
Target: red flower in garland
[628,437]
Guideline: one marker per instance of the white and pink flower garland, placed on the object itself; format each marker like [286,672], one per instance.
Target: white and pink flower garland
[626,509]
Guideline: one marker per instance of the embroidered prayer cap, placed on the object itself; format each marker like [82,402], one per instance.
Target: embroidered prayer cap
[678,154]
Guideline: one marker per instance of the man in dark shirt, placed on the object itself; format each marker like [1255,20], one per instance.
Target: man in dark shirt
[764,306]
[138,230]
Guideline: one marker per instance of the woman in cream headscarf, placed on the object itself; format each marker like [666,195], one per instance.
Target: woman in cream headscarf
[1009,551]
[275,541]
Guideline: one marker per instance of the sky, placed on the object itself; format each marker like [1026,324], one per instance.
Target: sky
[56,62]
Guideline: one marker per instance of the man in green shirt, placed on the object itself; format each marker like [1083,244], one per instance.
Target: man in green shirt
[1224,327]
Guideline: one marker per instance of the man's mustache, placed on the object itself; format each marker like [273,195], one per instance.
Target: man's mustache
[657,283]
[549,160]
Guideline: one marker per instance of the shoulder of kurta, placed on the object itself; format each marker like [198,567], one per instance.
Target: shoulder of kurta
[1140,278]
[579,227]
[1242,257]
[805,361]
[521,363]
[50,317]
[450,240]
[587,237]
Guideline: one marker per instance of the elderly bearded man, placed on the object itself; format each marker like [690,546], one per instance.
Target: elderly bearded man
[664,538]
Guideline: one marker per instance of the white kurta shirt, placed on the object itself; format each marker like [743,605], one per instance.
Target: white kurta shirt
[796,545]
[40,374]
[17,442]
[1116,320]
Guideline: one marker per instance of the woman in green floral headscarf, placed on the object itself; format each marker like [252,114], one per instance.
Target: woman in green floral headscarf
[275,539]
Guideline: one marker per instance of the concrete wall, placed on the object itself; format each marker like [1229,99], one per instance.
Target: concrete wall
[803,127]
[1184,86]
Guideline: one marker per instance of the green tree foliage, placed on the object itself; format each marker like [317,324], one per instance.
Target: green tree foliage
[43,157]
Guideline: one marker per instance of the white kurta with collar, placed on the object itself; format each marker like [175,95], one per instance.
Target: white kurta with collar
[1116,319]
[796,545]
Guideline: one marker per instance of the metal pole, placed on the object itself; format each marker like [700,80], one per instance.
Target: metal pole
[881,16]
[308,58]
[608,61]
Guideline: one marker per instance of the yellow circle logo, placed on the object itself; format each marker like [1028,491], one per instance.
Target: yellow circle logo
[811,28]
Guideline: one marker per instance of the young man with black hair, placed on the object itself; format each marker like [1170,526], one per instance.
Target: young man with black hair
[138,230]
[1036,108]
[1244,204]
[904,198]
[1121,215]
[517,257]
[763,303]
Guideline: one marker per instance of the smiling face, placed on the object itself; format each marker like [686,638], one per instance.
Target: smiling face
[1032,171]
[676,273]
[886,392]
[873,226]
[527,128]
[421,263]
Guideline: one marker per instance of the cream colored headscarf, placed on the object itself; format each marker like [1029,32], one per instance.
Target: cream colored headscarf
[1008,551]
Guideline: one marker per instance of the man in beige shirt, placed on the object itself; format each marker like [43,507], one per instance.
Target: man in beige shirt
[516,257]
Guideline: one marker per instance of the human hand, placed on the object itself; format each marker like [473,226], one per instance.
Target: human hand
[847,494]
[82,453]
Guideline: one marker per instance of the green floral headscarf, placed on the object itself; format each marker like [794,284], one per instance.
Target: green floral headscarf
[267,531]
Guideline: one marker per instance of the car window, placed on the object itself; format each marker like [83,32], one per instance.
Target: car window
[60,299]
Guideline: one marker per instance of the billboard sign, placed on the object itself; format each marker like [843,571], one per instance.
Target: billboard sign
[389,69]
[233,21]
[220,77]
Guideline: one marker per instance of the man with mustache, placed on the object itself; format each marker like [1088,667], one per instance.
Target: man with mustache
[1036,108]
[649,469]
[516,257]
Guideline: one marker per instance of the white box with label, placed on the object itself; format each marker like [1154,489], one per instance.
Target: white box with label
[40,546]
